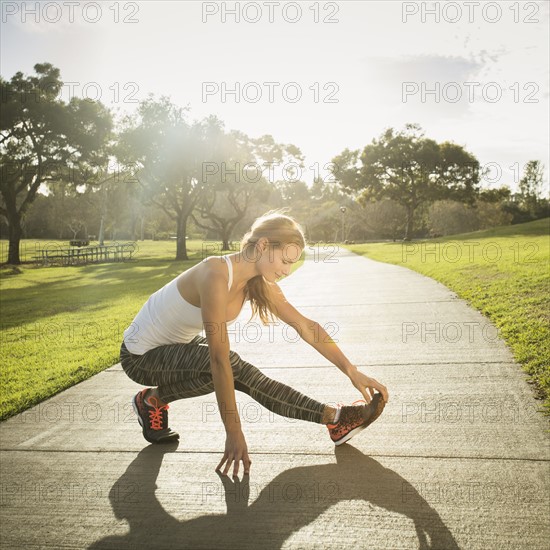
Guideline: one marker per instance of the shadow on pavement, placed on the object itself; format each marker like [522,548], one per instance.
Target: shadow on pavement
[292,500]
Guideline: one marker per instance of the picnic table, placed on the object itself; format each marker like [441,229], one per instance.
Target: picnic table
[119,252]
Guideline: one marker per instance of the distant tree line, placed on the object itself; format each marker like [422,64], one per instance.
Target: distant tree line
[69,170]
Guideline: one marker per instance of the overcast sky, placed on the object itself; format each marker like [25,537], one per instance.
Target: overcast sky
[361,68]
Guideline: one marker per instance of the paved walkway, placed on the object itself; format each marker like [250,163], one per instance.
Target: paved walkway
[459,458]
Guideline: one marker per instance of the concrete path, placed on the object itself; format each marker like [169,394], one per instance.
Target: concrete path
[459,459]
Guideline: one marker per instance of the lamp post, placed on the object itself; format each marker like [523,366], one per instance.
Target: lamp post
[343,210]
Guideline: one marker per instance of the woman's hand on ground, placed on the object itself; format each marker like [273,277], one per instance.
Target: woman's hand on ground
[235,451]
[366,385]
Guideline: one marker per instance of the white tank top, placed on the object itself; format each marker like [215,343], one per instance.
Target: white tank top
[166,318]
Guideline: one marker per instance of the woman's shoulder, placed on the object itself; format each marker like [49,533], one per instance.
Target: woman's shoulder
[211,264]
[189,282]
[214,263]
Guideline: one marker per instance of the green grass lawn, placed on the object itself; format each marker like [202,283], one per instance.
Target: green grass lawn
[503,272]
[61,325]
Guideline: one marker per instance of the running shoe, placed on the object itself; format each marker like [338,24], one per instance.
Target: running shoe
[153,419]
[354,418]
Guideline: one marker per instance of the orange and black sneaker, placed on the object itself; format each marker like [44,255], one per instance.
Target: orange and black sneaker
[153,419]
[354,418]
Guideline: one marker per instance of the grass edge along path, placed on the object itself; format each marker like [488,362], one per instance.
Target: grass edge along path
[504,273]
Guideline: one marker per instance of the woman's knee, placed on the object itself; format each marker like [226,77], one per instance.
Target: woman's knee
[135,375]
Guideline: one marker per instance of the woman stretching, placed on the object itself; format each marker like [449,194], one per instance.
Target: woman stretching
[162,346]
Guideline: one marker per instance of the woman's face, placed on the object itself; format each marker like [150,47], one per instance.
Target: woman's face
[277,262]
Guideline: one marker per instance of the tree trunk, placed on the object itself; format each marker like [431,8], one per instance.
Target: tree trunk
[14,227]
[181,246]
[101,232]
[410,221]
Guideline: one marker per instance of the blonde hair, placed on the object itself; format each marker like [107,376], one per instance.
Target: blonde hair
[279,230]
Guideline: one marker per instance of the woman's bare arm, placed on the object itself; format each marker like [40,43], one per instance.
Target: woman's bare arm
[214,296]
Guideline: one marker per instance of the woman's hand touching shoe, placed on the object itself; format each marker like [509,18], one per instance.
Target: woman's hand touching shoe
[366,385]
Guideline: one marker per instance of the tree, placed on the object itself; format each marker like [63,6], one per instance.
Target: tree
[236,181]
[169,154]
[76,225]
[109,194]
[293,191]
[494,195]
[410,169]
[528,204]
[530,185]
[451,217]
[383,219]
[320,219]
[43,139]
[326,190]
[491,214]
